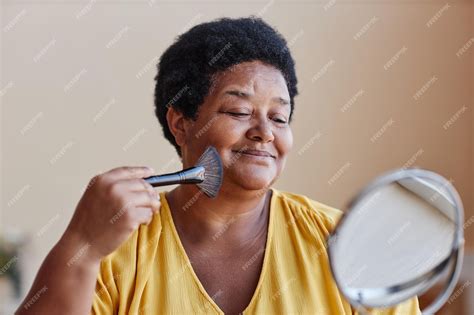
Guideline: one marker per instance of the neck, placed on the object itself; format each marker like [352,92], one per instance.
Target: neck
[235,216]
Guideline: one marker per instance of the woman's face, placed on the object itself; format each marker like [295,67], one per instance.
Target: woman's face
[247,108]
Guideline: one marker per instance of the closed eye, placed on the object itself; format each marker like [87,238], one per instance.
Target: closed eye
[237,114]
[280,121]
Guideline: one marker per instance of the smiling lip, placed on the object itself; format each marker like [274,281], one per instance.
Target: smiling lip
[256,152]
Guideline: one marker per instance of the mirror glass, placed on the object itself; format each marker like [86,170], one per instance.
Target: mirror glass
[395,240]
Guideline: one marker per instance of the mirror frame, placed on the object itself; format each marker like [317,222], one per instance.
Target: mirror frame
[454,260]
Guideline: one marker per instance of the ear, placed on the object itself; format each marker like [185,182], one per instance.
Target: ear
[177,124]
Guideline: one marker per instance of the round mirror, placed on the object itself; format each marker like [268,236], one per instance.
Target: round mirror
[398,237]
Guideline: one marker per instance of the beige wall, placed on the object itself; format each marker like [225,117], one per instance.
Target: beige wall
[77,97]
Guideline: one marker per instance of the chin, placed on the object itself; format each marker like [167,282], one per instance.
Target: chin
[250,174]
[254,180]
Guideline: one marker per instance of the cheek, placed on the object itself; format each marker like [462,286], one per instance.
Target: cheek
[284,141]
[225,133]
[218,132]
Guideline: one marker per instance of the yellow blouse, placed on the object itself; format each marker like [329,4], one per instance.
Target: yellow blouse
[151,274]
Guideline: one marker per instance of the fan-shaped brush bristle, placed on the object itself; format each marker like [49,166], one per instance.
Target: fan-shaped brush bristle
[212,164]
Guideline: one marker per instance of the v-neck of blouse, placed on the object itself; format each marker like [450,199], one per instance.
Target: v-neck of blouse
[266,262]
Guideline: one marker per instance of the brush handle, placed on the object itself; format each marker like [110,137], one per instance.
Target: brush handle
[192,175]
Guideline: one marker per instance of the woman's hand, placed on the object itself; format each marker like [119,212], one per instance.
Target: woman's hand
[113,205]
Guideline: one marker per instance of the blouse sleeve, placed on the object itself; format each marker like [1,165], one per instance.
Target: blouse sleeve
[330,217]
[106,293]
[409,307]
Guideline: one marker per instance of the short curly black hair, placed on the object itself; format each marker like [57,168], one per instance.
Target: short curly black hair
[187,68]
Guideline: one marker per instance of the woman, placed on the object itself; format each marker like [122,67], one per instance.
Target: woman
[231,84]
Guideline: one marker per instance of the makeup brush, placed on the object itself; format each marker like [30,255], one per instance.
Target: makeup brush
[207,174]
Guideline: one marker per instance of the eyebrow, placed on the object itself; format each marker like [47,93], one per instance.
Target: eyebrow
[245,95]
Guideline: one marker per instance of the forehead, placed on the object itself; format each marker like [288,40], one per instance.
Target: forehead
[250,75]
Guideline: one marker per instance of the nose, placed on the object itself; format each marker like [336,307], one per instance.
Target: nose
[261,131]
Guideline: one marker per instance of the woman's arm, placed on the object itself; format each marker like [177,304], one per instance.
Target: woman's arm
[65,282]
[112,207]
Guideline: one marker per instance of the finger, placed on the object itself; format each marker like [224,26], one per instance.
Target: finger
[136,184]
[145,199]
[129,172]
[143,215]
